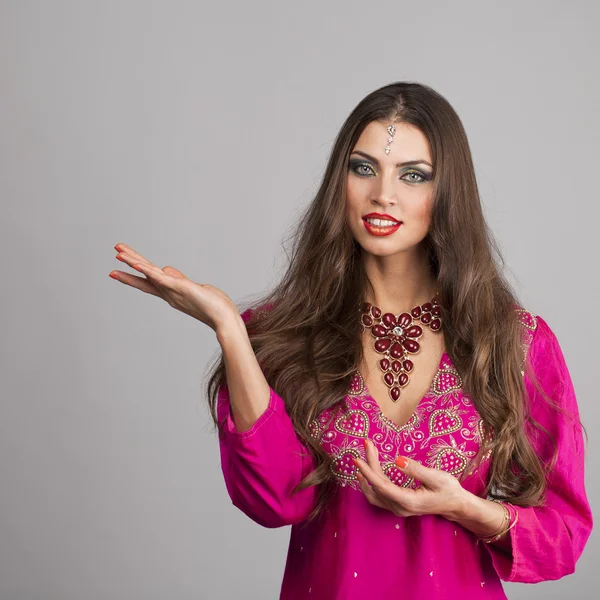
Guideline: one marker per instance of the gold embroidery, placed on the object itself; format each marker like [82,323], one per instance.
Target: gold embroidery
[529,322]
[443,421]
[446,381]
[357,386]
[396,475]
[354,422]
[410,425]
[343,466]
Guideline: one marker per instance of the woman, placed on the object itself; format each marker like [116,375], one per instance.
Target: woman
[390,398]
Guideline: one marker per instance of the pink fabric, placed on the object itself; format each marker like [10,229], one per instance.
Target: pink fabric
[357,550]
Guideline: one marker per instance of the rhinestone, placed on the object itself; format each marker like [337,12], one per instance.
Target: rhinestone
[355,573]
[397,331]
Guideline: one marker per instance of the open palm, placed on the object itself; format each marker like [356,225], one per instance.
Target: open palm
[202,301]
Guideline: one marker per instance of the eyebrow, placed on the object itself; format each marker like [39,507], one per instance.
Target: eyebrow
[400,164]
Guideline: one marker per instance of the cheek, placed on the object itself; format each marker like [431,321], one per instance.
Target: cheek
[421,212]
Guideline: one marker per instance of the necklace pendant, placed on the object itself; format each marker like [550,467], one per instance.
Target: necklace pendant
[397,335]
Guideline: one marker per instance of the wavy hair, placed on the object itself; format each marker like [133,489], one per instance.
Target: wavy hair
[308,342]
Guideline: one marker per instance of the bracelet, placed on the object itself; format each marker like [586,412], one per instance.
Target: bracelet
[488,539]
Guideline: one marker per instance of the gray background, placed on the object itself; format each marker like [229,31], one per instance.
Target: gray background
[195,132]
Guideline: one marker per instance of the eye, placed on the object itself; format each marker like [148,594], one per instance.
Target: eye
[415,176]
[354,166]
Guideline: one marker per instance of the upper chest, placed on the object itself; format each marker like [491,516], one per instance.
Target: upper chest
[382,375]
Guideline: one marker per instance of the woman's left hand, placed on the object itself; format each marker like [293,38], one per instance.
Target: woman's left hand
[439,493]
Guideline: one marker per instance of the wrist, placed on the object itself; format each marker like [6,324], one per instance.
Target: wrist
[462,507]
[230,328]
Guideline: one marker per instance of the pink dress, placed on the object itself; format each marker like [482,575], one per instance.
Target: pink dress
[356,550]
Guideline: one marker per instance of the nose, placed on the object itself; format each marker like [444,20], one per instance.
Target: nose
[385,194]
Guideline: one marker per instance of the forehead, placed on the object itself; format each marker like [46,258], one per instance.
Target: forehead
[409,142]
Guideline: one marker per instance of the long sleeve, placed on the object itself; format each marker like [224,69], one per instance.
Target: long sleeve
[547,541]
[262,465]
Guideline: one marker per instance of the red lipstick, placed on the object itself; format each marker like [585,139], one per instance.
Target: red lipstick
[380,230]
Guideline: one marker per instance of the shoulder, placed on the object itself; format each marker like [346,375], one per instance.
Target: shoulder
[538,340]
[542,350]
[537,335]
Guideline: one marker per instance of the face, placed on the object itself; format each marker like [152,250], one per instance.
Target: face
[398,184]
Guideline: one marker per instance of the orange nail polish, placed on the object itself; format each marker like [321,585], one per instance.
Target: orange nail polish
[366,443]
[401,461]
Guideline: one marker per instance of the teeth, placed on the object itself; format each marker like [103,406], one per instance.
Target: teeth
[381,222]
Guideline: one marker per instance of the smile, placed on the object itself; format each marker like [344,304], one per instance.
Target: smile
[380,227]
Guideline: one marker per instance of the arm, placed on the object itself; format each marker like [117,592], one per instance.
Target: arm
[262,458]
[547,541]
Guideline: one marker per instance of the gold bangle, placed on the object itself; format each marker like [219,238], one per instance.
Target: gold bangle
[488,539]
[498,536]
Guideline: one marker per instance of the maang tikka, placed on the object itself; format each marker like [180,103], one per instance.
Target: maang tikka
[394,336]
[391,130]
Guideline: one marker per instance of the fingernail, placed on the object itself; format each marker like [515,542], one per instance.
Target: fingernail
[113,275]
[120,258]
[401,461]
[117,247]
[366,443]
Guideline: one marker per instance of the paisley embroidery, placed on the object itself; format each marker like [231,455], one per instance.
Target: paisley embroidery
[397,476]
[446,380]
[445,431]
[342,465]
[354,422]
[450,456]
[444,421]
[357,386]
[529,323]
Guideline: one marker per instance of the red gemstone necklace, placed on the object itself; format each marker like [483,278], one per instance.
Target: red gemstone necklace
[397,335]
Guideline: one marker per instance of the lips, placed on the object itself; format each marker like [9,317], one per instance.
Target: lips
[379,230]
[385,216]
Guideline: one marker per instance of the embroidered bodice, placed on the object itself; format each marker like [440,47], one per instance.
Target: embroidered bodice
[445,431]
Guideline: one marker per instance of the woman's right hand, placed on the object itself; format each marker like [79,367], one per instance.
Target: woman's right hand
[202,301]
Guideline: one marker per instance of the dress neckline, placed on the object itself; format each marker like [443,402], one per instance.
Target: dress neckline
[368,394]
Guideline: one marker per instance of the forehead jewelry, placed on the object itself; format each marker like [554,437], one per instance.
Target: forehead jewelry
[391,130]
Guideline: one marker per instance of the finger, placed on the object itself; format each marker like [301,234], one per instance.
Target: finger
[428,476]
[372,455]
[141,283]
[380,484]
[157,276]
[131,260]
[174,272]
[369,492]
[129,250]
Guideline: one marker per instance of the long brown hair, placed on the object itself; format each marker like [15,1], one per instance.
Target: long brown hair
[308,343]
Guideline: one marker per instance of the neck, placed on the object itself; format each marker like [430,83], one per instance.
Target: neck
[398,283]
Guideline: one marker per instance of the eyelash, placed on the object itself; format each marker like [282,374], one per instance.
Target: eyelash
[354,166]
